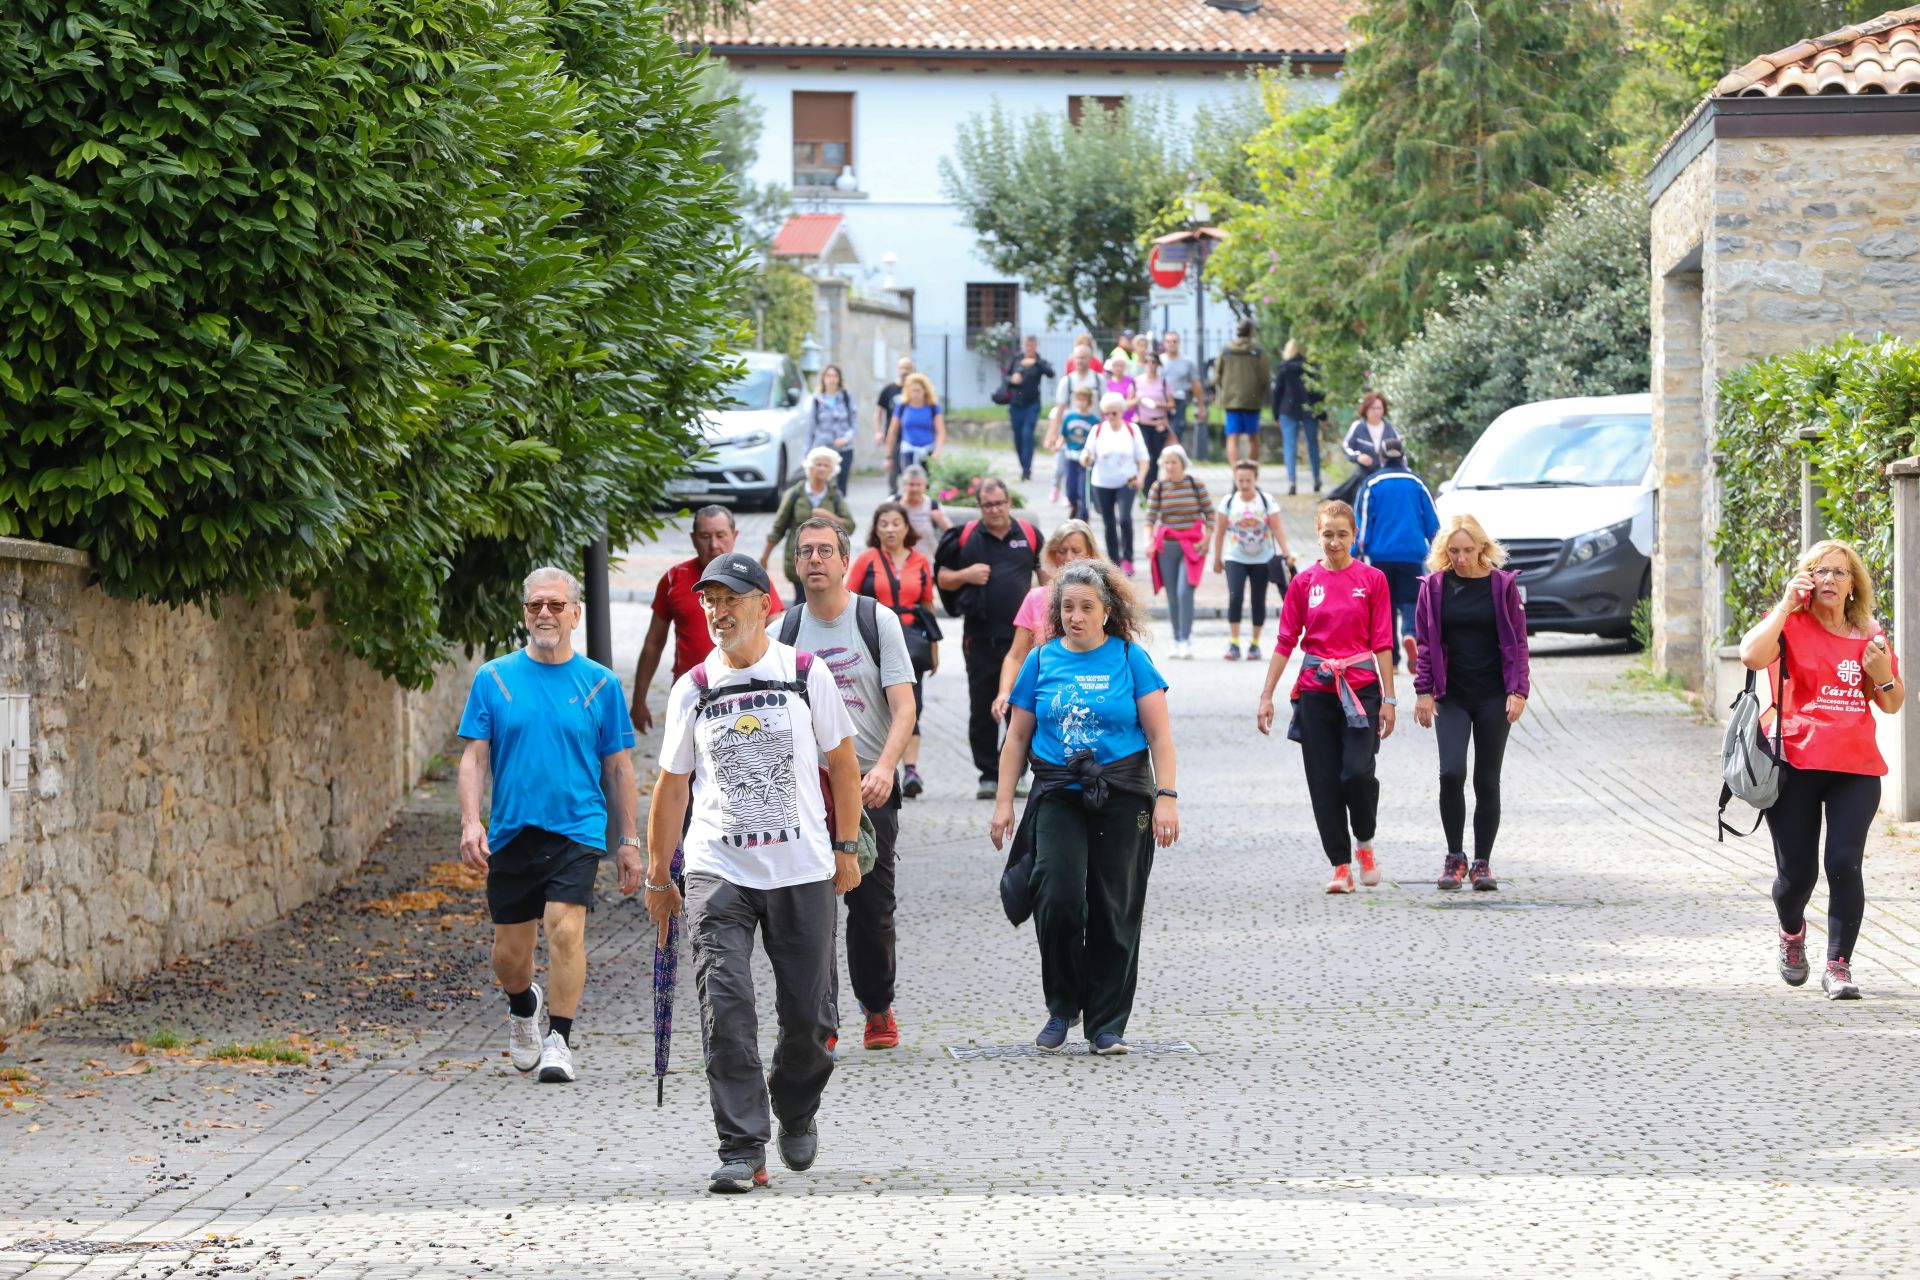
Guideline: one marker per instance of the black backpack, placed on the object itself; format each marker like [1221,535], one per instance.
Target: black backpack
[866,620]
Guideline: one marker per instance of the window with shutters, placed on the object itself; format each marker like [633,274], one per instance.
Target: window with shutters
[822,137]
[991,304]
[1079,104]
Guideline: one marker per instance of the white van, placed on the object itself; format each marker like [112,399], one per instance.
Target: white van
[1568,487]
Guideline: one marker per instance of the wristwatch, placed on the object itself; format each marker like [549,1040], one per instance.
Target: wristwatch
[845,846]
[1389,702]
[1884,688]
[1168,792]
[634,841]
[657,888]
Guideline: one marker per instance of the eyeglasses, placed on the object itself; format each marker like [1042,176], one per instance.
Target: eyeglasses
[815,553]
[1830,575]
[1002,504]
[538,607]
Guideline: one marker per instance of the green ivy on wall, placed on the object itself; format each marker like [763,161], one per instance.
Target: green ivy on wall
[1864,400]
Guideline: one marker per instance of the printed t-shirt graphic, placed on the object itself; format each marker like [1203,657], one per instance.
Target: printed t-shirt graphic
[863,689]
[1085,701]
[1248,538]
[1829,700]
[547,727]
[759,819]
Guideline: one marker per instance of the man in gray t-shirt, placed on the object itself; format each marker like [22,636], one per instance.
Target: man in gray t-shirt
[876,684]
[1183,384]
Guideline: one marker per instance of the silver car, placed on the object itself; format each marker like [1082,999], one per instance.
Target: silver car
[755,440]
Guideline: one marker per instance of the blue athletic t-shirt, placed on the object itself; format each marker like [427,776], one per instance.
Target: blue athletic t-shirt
[548,726]
[1074,430]
[916,423]
[1082,700]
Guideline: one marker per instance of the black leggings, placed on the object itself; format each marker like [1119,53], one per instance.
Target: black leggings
[1116,513]
[1849,801]
[1483,721]
[1239,577]
[1339,765]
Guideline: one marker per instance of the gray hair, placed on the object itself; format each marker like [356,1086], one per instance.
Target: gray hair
[711,510]
[826,522]
[1174,451]
[830,455]
[914,472]
[546,572]
[992,482]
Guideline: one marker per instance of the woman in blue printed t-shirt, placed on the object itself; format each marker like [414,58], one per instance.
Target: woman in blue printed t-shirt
[1088,712]
[919,429]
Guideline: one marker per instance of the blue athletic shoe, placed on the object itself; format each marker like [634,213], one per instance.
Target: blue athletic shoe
[1051,1036]
[1108,1044]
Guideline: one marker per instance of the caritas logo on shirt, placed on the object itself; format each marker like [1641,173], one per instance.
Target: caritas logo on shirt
[1315,596]
[1847,695]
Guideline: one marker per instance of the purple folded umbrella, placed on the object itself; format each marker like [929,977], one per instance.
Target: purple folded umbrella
[666,969]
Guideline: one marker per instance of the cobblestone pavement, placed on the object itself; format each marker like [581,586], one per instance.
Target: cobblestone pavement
[1594,1070]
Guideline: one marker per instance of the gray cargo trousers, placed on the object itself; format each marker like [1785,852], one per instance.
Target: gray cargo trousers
[798,927]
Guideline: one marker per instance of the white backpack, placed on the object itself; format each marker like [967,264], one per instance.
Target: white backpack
[1749,768]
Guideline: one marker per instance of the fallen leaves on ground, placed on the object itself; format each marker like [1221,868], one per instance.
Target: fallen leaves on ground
[411,902]
[456,875]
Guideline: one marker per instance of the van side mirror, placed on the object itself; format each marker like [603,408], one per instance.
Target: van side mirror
[1446,486]
[790,399]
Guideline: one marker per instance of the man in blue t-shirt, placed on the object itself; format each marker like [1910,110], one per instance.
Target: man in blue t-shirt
[555,729]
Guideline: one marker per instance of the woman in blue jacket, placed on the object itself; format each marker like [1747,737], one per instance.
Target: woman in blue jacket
[1472,679]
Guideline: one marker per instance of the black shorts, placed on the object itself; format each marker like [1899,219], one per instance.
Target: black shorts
[537,867]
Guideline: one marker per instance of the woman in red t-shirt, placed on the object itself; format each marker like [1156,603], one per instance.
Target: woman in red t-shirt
[896,575]
[1837,668]
[1339,614]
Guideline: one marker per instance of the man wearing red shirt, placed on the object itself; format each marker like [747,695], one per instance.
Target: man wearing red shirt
[676,604]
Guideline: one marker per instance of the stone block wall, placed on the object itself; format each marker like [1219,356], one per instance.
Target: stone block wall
[190,777]
[1761,246]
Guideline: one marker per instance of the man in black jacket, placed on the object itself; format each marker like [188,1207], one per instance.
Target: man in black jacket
[1023,374]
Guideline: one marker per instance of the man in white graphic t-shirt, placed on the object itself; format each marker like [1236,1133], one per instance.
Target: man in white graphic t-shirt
[744,732]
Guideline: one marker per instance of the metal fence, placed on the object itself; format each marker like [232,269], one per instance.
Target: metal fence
[965,379]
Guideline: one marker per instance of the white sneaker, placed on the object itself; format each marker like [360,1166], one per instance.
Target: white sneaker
[523,1034]
[556,1060]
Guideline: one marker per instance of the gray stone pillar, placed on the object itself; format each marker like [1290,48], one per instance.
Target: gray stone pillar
[1903,782]
[1813,522]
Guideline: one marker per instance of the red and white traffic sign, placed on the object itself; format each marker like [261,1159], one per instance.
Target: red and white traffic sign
[1165,273]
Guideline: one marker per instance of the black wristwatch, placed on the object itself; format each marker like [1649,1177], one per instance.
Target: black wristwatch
[846,846]
[1168,792]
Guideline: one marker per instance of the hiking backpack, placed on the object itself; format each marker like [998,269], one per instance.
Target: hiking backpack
[954,600]
[1749,768]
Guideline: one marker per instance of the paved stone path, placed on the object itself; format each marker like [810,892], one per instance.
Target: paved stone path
[1593,1071]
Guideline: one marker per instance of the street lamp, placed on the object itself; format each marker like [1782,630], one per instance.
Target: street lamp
[812,358]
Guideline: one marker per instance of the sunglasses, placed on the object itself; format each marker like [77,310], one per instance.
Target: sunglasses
[538,607]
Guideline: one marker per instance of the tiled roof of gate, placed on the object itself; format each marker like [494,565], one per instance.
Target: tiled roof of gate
[1175,27]
[1878,56]
[805,235]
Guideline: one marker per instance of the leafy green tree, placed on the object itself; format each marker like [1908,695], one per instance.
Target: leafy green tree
[362,302]
[1568,317]
[1064,207]
[1469,116]
[1681,48]
[736,136]
[779,307]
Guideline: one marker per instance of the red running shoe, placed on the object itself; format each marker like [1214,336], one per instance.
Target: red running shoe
[1369,869]
[1342,881]
[882,1031]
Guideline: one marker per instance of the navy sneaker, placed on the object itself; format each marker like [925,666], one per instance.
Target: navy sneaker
[1108,1044]
[1051,1036]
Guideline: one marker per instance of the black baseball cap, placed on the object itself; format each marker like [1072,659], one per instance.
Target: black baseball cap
[736,572]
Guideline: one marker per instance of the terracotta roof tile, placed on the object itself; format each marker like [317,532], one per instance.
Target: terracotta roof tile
[1185,27]
[1878,56]
[805,235]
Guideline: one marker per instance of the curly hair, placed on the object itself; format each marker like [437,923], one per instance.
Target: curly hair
[1367,400]
[1124,615]
[873,525]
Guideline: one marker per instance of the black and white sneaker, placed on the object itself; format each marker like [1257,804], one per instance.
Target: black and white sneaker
[523,1034]
[556,1060]
[799,1148]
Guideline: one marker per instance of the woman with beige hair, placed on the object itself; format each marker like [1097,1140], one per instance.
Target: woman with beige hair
[1831,666]
[1472,678]
[919,429]
[1071,541]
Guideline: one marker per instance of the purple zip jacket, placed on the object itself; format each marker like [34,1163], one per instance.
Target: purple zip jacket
[1510,620]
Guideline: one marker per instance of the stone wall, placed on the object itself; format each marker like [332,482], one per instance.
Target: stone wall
[190,778]
[1760,246]
[864,335]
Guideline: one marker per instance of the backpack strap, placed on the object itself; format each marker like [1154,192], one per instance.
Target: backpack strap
[866,619]
[802,664]
[966,532]
[790,624]
[866,583]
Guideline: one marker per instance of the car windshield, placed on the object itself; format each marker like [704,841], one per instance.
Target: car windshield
[1585,450]
[752,390]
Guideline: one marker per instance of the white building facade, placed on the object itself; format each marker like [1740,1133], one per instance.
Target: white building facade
[858,116]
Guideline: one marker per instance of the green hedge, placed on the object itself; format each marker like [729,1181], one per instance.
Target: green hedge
[388,300]
[1864,399]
